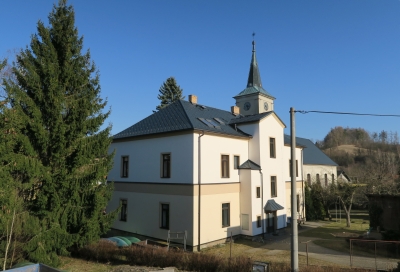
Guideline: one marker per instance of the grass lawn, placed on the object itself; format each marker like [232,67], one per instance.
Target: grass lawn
[74,264]
[333,234]
[359,226]
[78,265]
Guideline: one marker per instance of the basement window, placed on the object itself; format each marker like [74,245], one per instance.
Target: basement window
[124,210]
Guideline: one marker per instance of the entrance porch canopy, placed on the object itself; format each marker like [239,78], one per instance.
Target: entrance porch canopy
[272,206]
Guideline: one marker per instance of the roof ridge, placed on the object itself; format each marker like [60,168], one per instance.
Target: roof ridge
[186,115]
[209,107]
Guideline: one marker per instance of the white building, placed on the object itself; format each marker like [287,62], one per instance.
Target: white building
[207,171]
[317,166]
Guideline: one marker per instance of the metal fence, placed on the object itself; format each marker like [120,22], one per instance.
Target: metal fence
[375,254]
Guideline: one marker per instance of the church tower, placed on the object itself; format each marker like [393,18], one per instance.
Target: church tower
[254,99]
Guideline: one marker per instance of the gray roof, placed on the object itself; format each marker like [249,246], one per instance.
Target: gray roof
[180,116]
[341,172]
[254,89]
[239,119]
[311,153]
[249,118]
[272,206]
[254,81]
[250,165]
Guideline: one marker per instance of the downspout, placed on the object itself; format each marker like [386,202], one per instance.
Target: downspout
[199,185]
[262,201]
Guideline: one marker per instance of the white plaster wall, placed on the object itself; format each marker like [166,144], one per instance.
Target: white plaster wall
[257,104]
[144,214]
[299,184]
[261,102]
[286,162]
[254,143]
[256,202]
[211,217]
[259,153]
[271,127]
[300,192]
[314,169]
[245,197]
[145,159]
[212,147]
[249,203]
[253,100]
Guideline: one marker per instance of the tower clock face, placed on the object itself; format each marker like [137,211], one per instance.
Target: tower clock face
[265,106]
[247,106]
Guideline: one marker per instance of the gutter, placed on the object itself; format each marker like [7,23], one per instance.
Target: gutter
[262,201]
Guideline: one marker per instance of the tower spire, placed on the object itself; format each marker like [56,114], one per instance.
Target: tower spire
[254,74]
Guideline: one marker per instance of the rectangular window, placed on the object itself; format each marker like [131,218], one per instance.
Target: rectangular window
[309,179]
[298,203]
[258,221]
[245,222]
[318,178]
[225,166]
[274,192]
[326,179]
[166,166]
[333,178]
[125,166]
[258,192]
[297,168]
[272,150]
[124,210]
[236,162]
[164,216]
[226,221]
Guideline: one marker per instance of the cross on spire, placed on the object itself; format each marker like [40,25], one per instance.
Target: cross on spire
[254,43]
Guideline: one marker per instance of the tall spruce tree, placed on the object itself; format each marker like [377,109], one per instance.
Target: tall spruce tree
[56,98]
[20,172]
[170,91]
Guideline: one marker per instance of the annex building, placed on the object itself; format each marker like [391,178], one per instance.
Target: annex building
[209,171]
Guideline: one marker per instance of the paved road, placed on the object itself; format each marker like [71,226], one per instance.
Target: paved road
[282,242]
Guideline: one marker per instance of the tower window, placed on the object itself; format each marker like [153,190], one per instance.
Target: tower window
[272,150]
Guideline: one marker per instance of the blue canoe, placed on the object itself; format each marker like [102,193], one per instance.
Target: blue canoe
[118,241]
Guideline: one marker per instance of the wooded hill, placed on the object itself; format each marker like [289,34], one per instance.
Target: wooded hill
[370,158]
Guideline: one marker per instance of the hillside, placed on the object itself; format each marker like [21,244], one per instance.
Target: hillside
[349,148]
[371,158]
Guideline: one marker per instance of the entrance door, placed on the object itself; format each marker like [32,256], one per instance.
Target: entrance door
[270,222]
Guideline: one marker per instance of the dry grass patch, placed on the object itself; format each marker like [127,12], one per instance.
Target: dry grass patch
[339,245]
[79,265]
[256,252]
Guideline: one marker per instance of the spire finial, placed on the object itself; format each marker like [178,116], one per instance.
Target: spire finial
[254,43]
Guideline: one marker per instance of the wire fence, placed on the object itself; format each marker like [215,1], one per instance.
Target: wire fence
[355,253]
[374,254]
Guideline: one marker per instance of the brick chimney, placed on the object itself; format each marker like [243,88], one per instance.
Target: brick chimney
[192,99]
[235,110]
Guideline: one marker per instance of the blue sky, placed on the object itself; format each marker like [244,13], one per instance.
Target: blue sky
[329,55]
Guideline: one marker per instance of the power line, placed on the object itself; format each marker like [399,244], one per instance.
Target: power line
[349,113]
